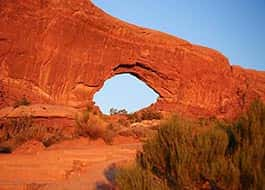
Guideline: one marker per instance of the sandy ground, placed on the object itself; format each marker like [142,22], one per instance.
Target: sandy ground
[71,165]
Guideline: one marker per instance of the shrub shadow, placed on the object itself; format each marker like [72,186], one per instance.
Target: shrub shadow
[110,174]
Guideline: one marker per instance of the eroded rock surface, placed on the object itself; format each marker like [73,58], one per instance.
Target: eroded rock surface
[40,111]
[62,51]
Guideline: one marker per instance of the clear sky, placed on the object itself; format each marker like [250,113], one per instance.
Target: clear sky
[234,27]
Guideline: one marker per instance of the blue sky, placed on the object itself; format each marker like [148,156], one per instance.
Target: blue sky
[124,92]
[234,27]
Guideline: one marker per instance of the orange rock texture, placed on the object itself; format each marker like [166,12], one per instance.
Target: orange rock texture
[62,51]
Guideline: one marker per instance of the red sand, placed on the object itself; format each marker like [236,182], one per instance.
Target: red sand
[79,164]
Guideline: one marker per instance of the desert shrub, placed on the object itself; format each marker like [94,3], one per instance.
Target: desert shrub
[134,117]
[144,115]
[94,127]
[52,139]
[22,102]
[124,122]
[223,155]
[16,131]
[88,125]
[135,177]
[114,111]
[14,128]
[248,146]
[142,132]
[186,159]
[108,136]
[150,115]
[110,132]
[126,133]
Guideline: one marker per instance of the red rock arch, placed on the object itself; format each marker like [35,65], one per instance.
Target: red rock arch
[65,50]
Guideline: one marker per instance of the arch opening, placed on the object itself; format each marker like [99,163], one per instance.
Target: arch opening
[124,91]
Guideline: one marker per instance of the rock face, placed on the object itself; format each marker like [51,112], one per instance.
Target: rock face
[62,51]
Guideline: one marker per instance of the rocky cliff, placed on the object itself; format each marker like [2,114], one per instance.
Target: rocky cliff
[62,51]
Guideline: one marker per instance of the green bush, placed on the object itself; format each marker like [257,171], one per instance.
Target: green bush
[221,155]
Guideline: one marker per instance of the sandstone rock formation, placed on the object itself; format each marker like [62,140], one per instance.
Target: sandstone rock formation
[40,111]
[62,51]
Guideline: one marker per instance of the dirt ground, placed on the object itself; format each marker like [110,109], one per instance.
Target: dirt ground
[76,165]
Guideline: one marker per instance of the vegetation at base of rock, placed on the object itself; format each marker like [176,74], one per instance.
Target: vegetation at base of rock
[145,115]
[22,102]
[90,123]
[95,126]
[150,114]
[223,155]
[14,132]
